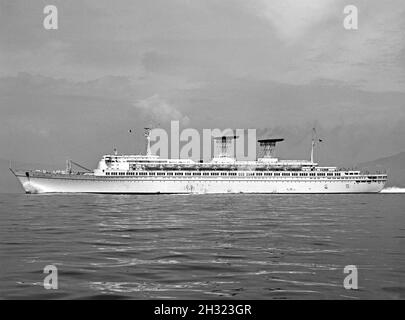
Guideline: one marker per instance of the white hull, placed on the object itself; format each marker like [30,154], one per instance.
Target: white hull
[94,184]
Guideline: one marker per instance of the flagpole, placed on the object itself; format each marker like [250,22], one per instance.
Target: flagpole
[130,131]
[313,144]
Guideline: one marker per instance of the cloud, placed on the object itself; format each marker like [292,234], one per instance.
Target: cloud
[293,19]
[161,110]
[116,90]
[315,45]
[176,44]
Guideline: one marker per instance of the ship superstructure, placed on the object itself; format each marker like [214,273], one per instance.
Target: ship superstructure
[150,174]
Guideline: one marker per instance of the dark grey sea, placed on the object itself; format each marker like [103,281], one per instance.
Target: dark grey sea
[202,246]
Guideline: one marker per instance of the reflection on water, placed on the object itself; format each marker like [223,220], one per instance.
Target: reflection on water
[202,246]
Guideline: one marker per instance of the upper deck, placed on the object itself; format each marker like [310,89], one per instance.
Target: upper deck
[223,161]
[223,165]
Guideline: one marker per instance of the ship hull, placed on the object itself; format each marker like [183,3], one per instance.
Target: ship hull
[96,184]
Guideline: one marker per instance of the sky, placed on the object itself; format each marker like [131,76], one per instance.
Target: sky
[280,66]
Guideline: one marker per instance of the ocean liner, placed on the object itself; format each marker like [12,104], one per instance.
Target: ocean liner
[150,174]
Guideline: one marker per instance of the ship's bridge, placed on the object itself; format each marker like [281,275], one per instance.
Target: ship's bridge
[128,162]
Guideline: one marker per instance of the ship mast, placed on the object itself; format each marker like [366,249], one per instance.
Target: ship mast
[313,144]
[69,166]
[147,135]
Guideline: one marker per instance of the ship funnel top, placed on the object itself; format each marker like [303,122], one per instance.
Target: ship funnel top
[224,146]
[268,146]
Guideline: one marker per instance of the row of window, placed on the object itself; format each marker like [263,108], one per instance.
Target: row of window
[247,174]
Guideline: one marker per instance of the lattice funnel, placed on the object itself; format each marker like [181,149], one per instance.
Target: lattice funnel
[268,146]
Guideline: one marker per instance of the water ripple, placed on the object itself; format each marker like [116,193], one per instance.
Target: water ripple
[202,246]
